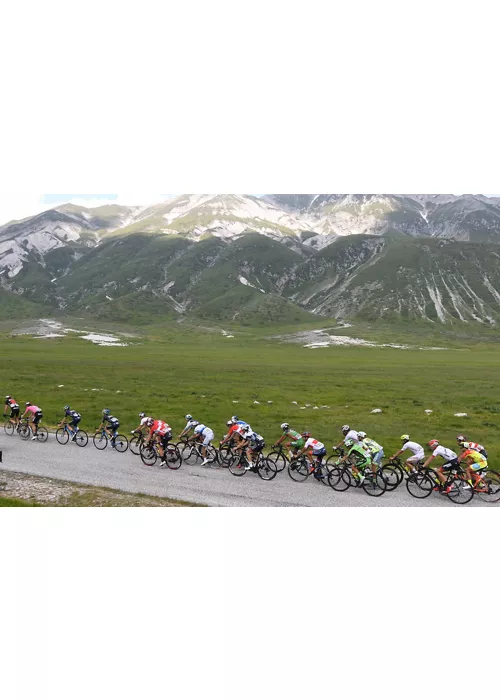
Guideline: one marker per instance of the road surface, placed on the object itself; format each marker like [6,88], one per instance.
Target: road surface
[212,487]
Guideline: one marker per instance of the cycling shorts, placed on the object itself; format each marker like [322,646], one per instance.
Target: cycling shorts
[164,439]
[14,412]
[37,418]
[415,459]
[207,437]
[377,458]
[74,422]
[298,445]
[257,447]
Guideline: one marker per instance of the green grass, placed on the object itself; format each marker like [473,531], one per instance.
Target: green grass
[180,370]
[15,503]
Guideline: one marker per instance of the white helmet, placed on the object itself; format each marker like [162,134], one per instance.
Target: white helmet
[362,435]
[189,417]
[346,428]
[285,426]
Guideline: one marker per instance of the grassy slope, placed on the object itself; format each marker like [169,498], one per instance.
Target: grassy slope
[179,371]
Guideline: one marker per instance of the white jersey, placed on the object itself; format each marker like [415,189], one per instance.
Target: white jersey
[445,453]
[414,447]
[144,422]
[352,435]
[192,424]
[202,429]
[315,444]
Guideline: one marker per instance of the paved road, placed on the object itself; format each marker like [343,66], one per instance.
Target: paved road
[191,483]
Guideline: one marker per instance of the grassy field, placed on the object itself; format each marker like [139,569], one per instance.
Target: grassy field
[168,373]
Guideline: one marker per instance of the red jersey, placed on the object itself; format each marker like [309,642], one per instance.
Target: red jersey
[161,428]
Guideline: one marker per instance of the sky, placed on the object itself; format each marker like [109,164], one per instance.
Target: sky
[19,205]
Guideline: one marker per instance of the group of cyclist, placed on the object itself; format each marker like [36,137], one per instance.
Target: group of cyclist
[362,452]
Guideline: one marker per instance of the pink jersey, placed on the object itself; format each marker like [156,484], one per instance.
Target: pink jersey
[33,409]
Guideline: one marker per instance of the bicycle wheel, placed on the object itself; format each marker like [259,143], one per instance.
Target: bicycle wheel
[9,428]
[226,455]
[149,456]
[374,484]
[420,486]
[173,457]
[399,471]
[120,443]
[336,479]
[100,441]
[42,434]
[461,492]
[322,474]
[237,466]
[490,490]
[213,457]
[279,460]
[299,470]
[25,432]
[82,438]
[186,451]
[391,476]
[62,436]
[332,462]
[135,445]
[267,469]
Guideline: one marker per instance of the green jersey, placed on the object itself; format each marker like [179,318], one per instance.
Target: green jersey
[294,435]
[358,452]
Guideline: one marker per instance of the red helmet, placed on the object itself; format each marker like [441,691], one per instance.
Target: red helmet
[433,444]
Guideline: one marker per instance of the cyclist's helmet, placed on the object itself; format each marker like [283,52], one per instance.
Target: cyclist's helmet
[189,417]
[8,398]
[306,435]
[195,423]
[67,408]
[230,423]
[349,443]
[362,435]
[247,429]
[142,415]
[106,412]
[28,403]
[150,422]
[235,419]
[405,438]
[461,439]
[433,444]
[285,427]
[346,429]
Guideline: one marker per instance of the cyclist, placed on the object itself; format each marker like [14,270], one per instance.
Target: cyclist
[254,444]
[205,435]
[73,419]
[476,463]
[237,421]
[468,445]
[450,460]
[235,433]
[359,458]
[161,433]
[12,406]
[191,425]
[410,446]
[349,434]
[313,449]
[143,425]
[110,424]
[376,451]
[35,413]
[295,440]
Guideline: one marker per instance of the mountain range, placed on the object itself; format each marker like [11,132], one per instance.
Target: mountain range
[257,259]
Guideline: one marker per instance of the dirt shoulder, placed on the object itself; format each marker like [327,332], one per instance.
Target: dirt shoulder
[36,490]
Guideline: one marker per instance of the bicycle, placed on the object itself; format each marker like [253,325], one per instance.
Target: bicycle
[26,431]
[118,442]
[280,457]
[136,443]
[264,467]
[301,469]
[150,454]
[343,478]
[10,427]
[194,449]
[64,434]
[400,467]
[456,486]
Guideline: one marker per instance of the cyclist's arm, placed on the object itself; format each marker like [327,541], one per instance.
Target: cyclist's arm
[431,459]
[397,454]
